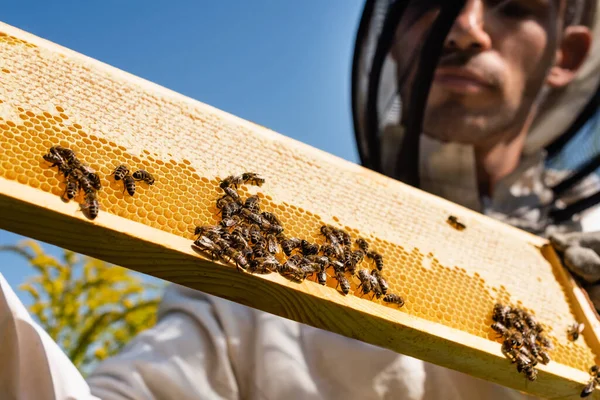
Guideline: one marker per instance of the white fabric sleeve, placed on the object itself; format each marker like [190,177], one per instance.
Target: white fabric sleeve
[32,366]
[185,356]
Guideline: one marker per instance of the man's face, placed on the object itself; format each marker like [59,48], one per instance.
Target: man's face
[495,60]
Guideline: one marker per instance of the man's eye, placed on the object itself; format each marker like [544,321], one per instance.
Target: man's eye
[513,9]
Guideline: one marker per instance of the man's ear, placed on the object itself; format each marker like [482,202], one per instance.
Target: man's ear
[571,54]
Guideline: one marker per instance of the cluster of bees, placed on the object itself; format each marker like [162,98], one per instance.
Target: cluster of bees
[523,342]
[121,173]
[254,241]
[78,176]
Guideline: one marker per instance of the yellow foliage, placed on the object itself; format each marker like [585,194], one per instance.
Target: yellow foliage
[89,307]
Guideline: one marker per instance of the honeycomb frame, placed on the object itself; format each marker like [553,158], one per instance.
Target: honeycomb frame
[450,279]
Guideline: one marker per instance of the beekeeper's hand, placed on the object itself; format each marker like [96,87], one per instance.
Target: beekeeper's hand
[581,255]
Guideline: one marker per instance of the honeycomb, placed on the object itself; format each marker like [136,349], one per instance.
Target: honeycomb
[50,96]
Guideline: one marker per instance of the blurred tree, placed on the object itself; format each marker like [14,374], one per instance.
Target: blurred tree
[89,307]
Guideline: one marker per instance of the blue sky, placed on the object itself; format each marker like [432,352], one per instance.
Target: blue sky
[284,65]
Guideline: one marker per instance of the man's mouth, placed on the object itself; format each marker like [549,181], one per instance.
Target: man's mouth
[461,80]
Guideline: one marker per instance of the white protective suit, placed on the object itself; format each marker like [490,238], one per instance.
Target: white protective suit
[204,347]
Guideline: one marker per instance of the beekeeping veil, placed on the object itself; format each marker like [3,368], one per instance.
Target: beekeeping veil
[391,147]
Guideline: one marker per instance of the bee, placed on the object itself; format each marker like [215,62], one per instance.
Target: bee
[238,242]
[343,237]
[575,330]
[362,245]
[143,175]
[308,268]
[256,235]
[328,250]
[271,218]
[322,261]
[252,204]
[357,256]
[59,150]
[264,265]
[90,205]
[377,292]
[515,340]
[535,348]
[530,372]
[350,262]
[513,320]
[365,281]
[377,258]
[229,222]
[381,282]
[394,299]
[231,192]
[329,233]
[589,388]
[530,322]
[202,230]
[501,329]
[54,158]
[500,312]
[322,277]
[129,184]
[453,222]
[242,230]
[231,180]
[520,359]
[94,180]
[230,209]
[343,282]
[290,244]
[544,357]
[238,258]
[338,266]
[308,248]
[207,245]
[252,178]
[508,350]
[290,267]
[120,172]
[272,244]
[276,229]
[545,342]
[253,217]
[72,188]
[84,182]
[259,250]
[67,154]
[524,351]
[594,369]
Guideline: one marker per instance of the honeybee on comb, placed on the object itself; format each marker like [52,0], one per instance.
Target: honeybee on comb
[90,205]
[129,184]
[453,222]
[144,176]
[575,330]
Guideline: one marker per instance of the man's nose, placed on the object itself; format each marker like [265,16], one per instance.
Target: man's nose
[468,32]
